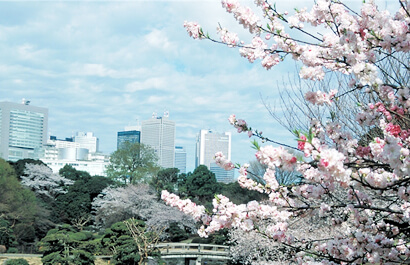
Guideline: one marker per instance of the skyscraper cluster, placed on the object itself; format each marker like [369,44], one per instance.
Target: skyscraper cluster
[23,134]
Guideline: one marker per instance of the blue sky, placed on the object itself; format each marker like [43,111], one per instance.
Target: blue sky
[101,65]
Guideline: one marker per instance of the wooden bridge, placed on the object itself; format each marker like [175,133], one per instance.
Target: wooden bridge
[193,253]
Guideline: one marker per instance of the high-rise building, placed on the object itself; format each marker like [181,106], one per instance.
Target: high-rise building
[209,143]
[23,130]
[180,159]
[159,134]
[133,136]
[87,140]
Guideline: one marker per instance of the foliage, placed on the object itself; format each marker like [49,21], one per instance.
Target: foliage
[122,245]
[145,237]
[238,194]
[176,233]
[17,205]
[355,192]
[65,245]
[165,179]
[71,173]
[16,262]
[6,233]
[133,163]
[140,202]
[12,250]
[74,206]
[201,185]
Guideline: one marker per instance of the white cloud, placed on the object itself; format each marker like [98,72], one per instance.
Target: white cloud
[99,66]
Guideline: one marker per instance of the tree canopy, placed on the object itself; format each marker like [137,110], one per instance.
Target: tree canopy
[18,206]
[133,163]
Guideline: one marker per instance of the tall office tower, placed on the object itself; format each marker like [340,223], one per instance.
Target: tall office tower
[131,136]
[87,140]
[180,159]
[159,134]
[23,130]
[208,143]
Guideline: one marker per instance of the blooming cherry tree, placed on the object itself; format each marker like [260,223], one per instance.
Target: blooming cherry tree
[137,201]
[361,189]
[43,181]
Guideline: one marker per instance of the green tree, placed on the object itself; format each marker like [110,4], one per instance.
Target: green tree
[17,205]
[133,163]
[239,195]
[201,185]
[176,232]
[71,173]
[131,241]
[166,179]
[119,241]
[65,245]
[75,206]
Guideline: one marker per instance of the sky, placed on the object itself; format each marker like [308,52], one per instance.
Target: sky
[99,66]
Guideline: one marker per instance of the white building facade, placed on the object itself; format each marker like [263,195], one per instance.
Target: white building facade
[58,153]
[23,130]
[159,134]
[87,140]
[209,143]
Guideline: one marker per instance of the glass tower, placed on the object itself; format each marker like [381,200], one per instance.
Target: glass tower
[180,159]
[23,130]
[128,136]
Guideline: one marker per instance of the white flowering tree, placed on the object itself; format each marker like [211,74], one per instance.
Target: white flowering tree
[42,180]
[140,202]
[359,190]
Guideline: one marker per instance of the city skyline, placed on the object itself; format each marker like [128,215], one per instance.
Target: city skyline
[99,66]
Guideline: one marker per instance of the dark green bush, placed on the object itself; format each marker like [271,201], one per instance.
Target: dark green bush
[201,240]
[12,250]
[176,233]
[16,262]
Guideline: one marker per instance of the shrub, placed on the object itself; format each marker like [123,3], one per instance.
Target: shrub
[201,240]
[12,250]
[16,262]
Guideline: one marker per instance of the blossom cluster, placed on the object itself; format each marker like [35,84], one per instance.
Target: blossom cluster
[223,162]
[240,125]
[356,184]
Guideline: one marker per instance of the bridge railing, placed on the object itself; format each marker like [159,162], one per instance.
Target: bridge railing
[184,248]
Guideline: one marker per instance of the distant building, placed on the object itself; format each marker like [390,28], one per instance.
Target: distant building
[87,140]
[57,153]
[128,136]
[23,130]
[159,134]
[180,159]
[53,146]
[97,167]
[208,143]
